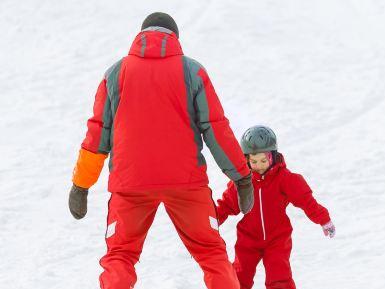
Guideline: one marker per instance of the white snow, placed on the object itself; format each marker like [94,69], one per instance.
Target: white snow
[312,70]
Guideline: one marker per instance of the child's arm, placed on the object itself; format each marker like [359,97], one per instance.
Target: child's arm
[228,205]
[301,196]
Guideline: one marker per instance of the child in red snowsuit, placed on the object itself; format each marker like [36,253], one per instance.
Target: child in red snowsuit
[265,233]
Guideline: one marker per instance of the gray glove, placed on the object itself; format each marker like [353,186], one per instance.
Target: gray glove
[78,202]
[245,194]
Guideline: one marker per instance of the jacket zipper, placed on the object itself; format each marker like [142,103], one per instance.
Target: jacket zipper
[261,210]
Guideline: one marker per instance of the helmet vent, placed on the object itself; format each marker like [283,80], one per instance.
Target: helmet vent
[258,139]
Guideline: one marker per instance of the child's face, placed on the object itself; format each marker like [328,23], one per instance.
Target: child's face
[259,163]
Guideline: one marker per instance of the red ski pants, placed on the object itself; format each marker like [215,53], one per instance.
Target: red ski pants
[275,256]
[193,214]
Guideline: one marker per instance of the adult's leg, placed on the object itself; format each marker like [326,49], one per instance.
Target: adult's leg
[245,263]
[277,264]
[194,216]
[130,216]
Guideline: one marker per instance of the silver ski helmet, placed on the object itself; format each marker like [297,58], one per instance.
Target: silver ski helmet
[258,139]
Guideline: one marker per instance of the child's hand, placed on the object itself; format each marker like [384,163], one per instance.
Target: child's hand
[329,229]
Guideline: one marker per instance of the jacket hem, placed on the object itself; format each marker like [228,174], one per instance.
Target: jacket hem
[125,189]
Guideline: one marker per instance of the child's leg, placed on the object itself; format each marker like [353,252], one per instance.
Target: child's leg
[194,216]
[245,263]
[277,264]
[129,218]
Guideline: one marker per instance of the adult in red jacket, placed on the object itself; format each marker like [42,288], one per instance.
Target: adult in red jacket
[265,233]
[150,112]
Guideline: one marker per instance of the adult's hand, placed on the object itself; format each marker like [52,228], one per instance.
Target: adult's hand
[245,194]
[78,202]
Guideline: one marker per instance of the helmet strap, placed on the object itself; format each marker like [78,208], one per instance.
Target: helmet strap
[269,156]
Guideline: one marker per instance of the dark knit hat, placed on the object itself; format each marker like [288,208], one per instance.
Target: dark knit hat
[162,20]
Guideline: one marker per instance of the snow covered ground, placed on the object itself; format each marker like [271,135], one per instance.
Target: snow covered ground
[312,70]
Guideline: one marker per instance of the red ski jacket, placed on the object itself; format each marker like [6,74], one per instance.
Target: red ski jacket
[150,113]
[273,191]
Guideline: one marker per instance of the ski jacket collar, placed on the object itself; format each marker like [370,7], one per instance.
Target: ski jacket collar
[156,43]
[273,170]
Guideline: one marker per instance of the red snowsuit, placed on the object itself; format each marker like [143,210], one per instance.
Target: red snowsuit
[265,233]
[150,113]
